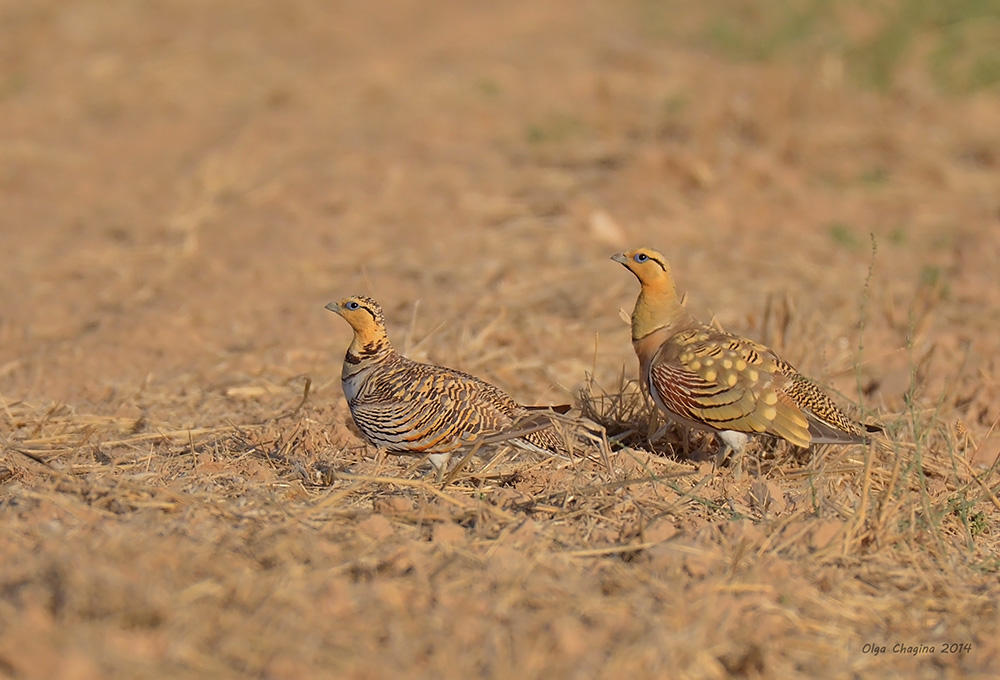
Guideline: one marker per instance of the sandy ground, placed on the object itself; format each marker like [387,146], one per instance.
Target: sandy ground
[184,185]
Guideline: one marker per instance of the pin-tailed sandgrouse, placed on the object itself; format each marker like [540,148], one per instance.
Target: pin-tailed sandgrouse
[705,378]
[408,407]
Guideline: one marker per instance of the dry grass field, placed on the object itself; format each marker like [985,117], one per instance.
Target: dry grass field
[184,185]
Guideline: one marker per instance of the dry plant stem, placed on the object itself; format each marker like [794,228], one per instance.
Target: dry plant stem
[450,476]
[141,536]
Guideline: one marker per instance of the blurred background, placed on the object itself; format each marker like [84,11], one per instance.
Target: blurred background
[186,184]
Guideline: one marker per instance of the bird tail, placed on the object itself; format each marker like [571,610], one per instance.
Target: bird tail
[824,433]
[558,408]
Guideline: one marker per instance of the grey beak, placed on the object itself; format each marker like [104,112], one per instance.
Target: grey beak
[620,258]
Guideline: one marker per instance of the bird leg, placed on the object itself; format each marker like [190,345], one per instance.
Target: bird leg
[443,479]
[733,445]
[660,433]
[439,463]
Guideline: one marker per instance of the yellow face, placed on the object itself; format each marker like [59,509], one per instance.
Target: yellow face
[648,265]
[363,313]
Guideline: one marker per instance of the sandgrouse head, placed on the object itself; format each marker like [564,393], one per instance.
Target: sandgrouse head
[648,265]
[363,313]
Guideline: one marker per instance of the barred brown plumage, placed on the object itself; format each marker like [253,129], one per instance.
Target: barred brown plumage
[408,407]
[705,378]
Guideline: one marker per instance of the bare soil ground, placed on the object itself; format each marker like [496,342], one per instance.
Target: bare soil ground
[184,185]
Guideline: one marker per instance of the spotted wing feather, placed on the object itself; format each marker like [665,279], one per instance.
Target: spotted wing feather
[724,382]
